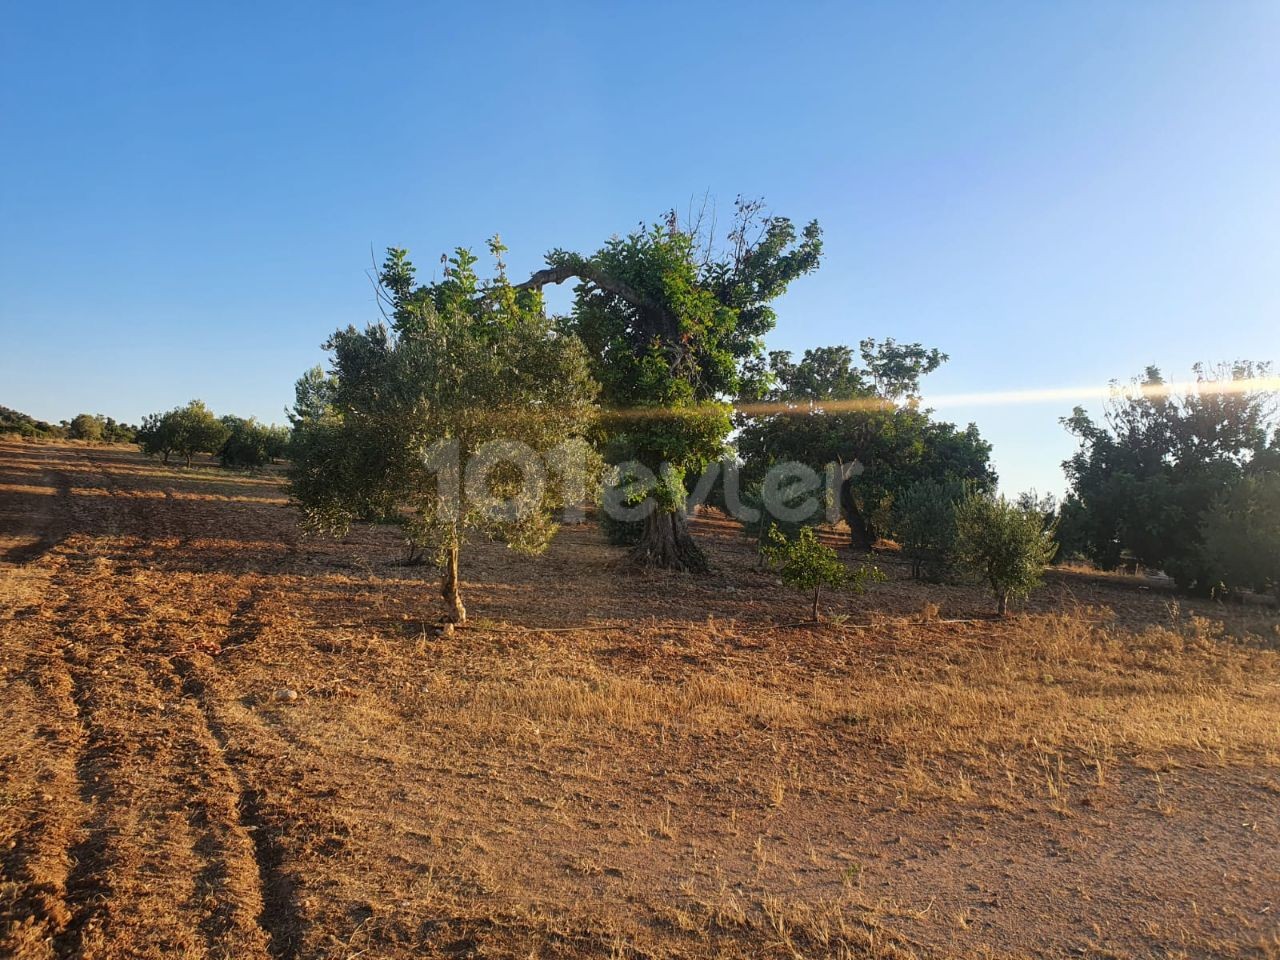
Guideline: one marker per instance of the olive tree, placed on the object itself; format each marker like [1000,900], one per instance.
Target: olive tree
[249,444]
[924,522]
[672,320]
[1003,544]
[464,415]
[185,431]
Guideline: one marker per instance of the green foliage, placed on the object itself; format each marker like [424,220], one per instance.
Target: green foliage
[670,323]
[185,431]
[769,520]
[805,563]
[924,523]
[466,362]
[250,444]
[1003,544]
[1143,481]
[896,369]
[154,436]
[24,425]
[837,412]
[86,426]
[277,442]
[1242,534]
[115,432]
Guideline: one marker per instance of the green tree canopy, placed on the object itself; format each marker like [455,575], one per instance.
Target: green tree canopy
[825,409]
[250,444]
[185,431]
[86,426]
[924,522]
[1241,532]
[469,374]
[671,321]
[1143,479]
[1004,545]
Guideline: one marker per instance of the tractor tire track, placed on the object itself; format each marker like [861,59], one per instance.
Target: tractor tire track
[160,815]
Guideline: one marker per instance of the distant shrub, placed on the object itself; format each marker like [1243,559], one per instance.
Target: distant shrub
[805,563]
[114,432]
[185,431]
[86,426]
[1003,544]
[248,444]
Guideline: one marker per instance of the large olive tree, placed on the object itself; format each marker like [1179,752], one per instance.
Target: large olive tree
[671,320]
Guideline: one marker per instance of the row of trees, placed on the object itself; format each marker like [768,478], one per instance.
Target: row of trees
[663,342]
[85,426]
[1183,480]
[187,430]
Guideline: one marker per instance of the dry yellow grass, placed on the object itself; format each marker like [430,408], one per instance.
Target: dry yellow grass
[603,764]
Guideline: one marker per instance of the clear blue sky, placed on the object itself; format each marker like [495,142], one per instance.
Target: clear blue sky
[1053,193]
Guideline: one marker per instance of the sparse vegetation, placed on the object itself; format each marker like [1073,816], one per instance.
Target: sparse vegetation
[23,425]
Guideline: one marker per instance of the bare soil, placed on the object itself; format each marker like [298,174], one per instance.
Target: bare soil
[604,764]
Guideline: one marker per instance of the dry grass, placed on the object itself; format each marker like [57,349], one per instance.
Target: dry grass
[603,764]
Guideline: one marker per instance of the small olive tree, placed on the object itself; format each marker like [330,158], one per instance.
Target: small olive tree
[805,563]
[465,416]
[1004,545]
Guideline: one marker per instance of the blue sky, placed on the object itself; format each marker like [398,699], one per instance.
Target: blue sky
[1052,193]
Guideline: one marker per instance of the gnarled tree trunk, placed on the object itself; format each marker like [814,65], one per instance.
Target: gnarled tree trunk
[666,542]
[861,533]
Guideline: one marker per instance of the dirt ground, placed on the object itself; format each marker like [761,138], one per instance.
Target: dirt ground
[604,764]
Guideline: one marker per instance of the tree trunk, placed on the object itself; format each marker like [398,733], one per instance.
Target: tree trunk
[861,536]
[817,595]
[449,587]
[1002,602]
[665,542]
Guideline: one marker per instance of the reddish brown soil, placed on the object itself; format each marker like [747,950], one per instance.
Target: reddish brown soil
[604,763]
